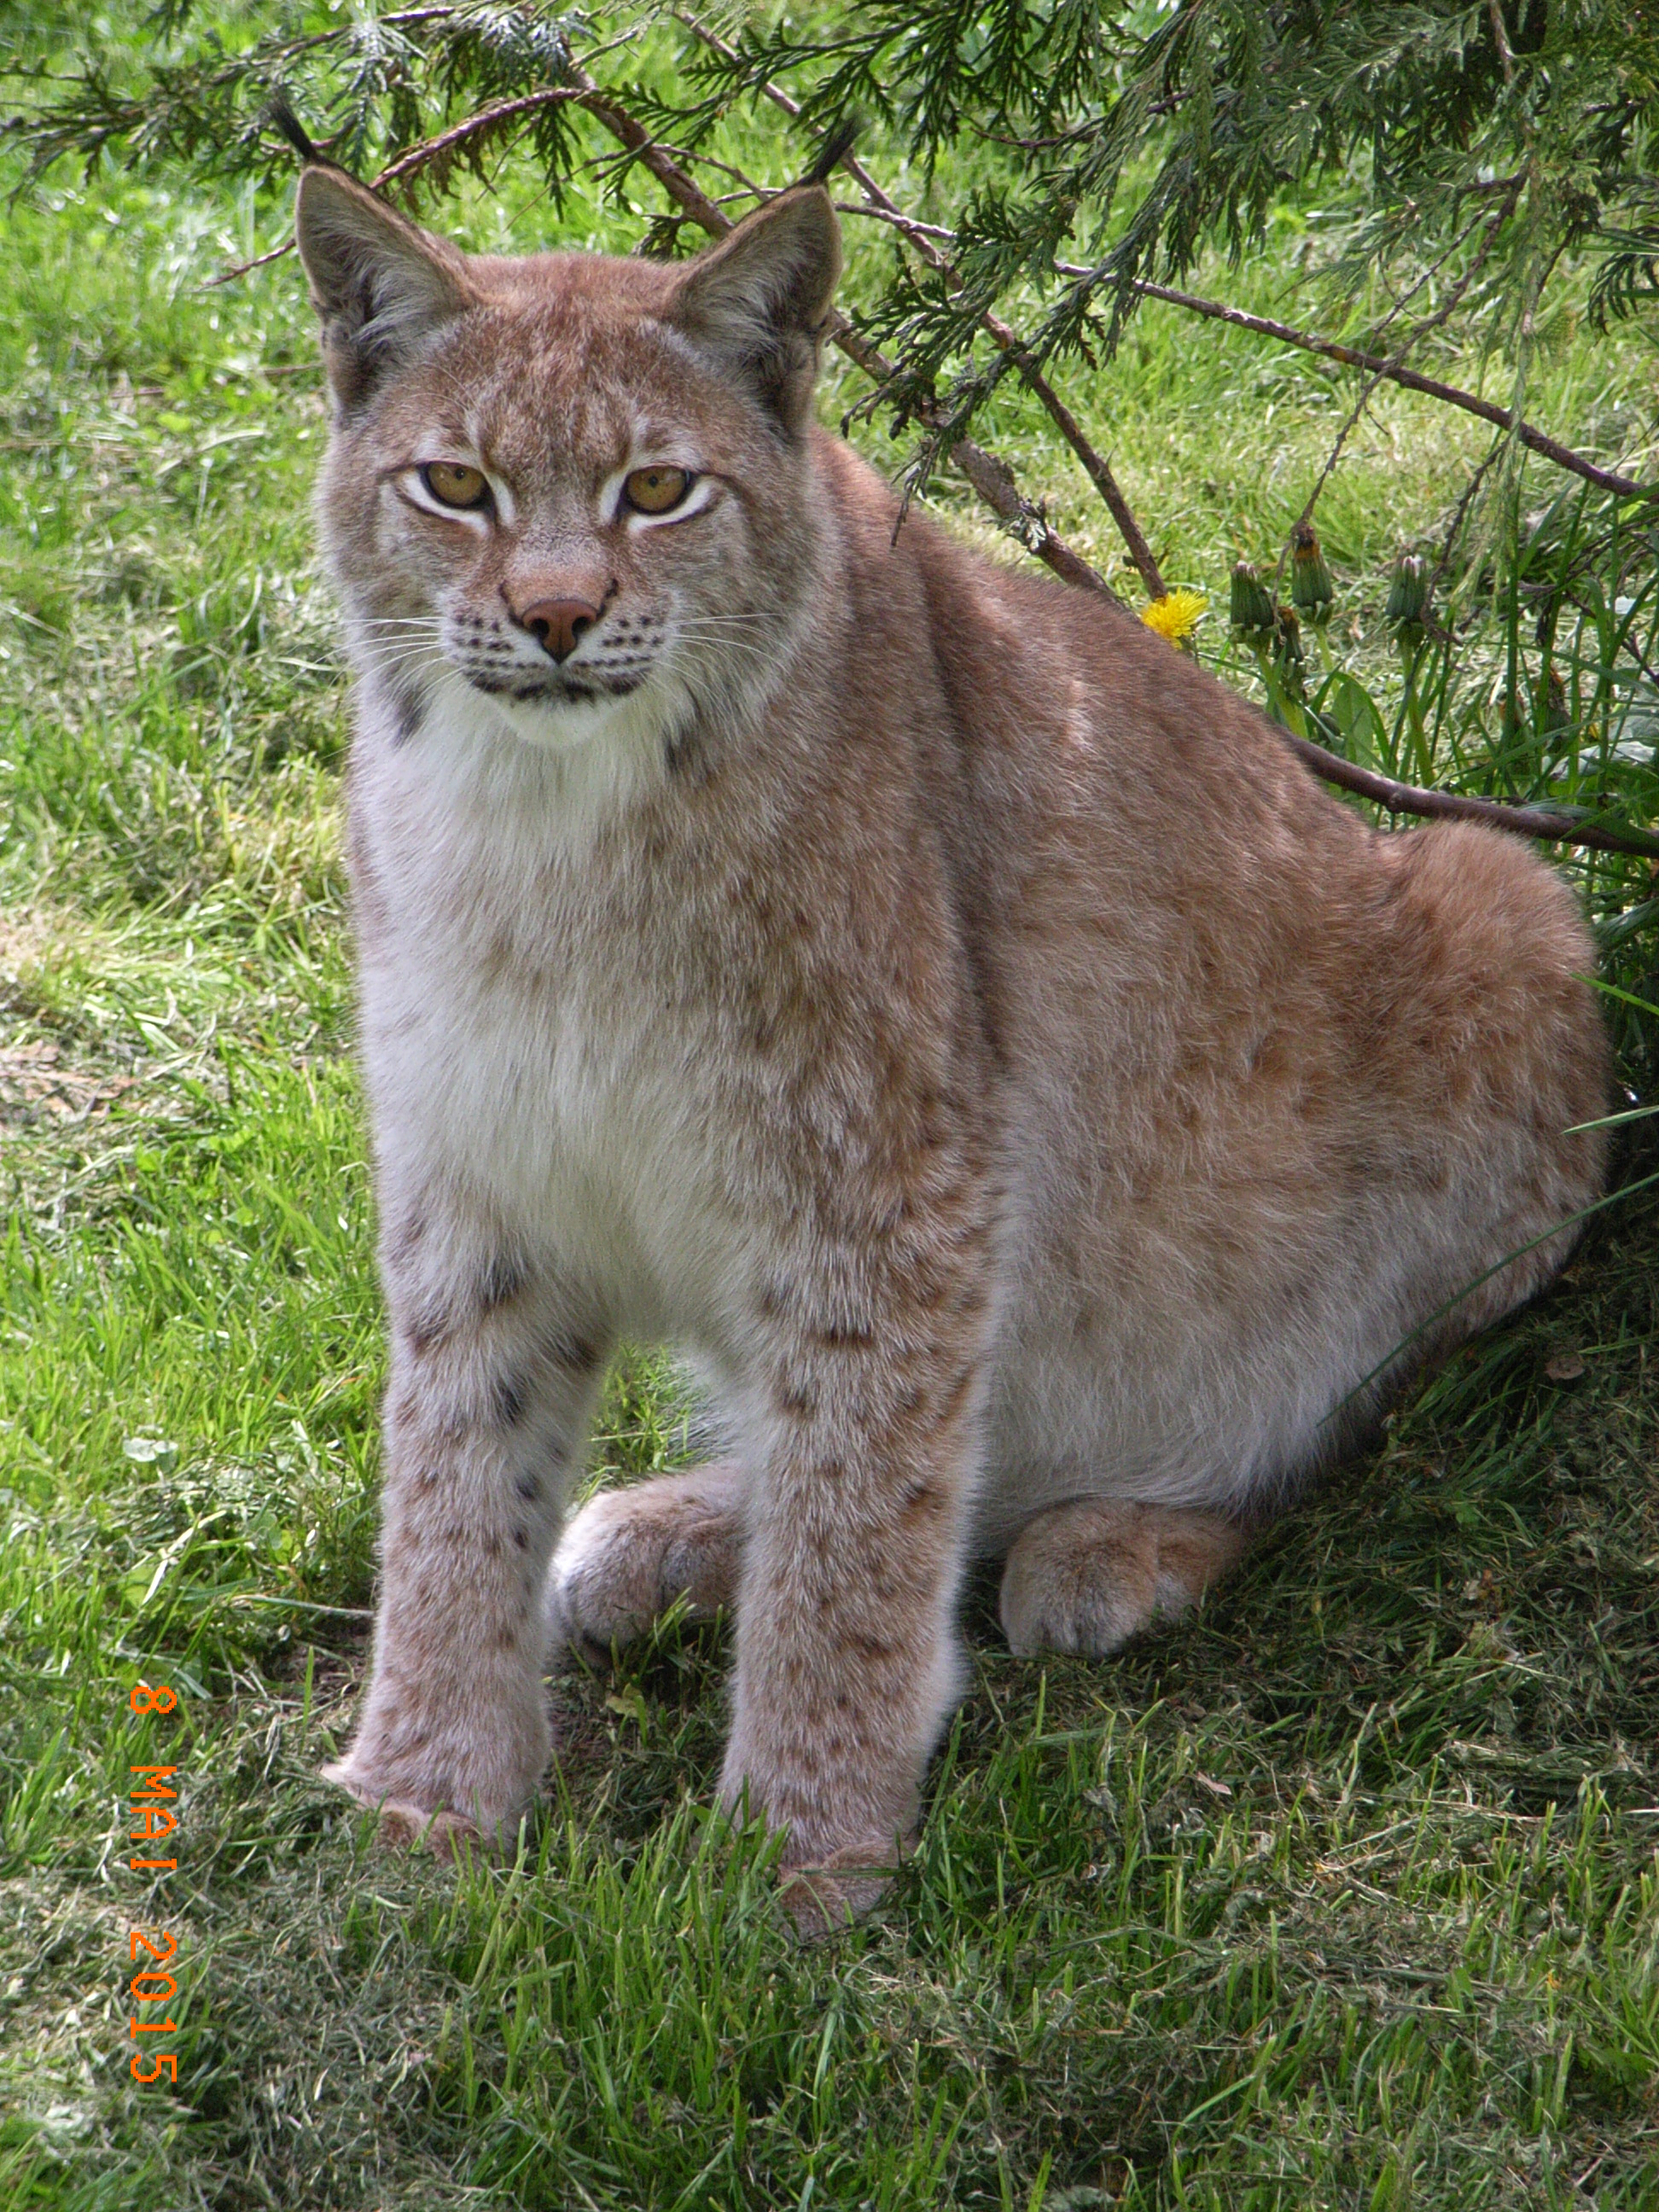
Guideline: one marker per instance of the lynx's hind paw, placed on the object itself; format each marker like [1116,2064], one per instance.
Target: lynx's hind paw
[1085,1577]
[629,1554]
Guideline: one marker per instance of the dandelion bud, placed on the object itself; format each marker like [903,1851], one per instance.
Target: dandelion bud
[1409,594]
[1557,714]
[1250,603]
[1310,579]
[1288,638]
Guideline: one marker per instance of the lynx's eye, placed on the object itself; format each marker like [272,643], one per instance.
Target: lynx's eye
[654,490]
[452,485]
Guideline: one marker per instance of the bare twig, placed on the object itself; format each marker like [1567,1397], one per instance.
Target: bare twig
[1453,806]
[1460,515]
[245,268]
[485,120]
[687,195]
[994,480]
[908,223]
[1447,306]
[419,157]
[1352,357]
[1099,474]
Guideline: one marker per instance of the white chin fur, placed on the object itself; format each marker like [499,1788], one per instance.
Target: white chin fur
[568,726]
[560,773]
[452,705]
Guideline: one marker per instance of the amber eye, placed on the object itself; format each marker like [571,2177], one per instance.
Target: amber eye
[653,491]
[454,485]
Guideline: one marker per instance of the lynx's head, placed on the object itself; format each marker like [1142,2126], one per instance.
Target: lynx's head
[567,496]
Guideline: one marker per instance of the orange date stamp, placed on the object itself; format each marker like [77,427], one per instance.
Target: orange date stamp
[153,1806]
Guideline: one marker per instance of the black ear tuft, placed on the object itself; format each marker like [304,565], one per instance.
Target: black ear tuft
[834,151]
[759,302]
[380,285]
[292,128]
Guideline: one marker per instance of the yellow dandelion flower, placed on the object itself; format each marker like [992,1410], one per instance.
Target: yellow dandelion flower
[1175,615]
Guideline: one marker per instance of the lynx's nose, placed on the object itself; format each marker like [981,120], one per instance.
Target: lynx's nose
[559,624]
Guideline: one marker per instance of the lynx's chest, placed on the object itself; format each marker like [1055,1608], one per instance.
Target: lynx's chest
[538,1026]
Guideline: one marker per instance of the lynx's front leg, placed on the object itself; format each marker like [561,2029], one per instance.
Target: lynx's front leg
[491,1391]
[857,1528]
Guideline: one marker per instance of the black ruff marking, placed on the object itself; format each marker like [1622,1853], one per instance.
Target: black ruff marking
[681,755]
[409,716]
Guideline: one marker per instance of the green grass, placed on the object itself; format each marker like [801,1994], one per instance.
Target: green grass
[1343,1894]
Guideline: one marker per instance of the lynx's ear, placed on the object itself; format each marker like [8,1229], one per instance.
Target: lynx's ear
[757,303]
[379,284]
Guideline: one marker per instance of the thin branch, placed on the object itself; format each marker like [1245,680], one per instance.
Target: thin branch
[994,480]
[690,198]
[908,223]
[1461,514]
[1453,806]
[1099,474]
[1352,357]
[417,158]
[1418,330]
[486,119]
[1500,39]
[245,268]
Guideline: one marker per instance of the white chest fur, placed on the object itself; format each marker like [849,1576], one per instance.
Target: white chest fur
[522,1040]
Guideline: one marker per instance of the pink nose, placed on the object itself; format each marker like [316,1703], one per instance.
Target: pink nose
[559,624]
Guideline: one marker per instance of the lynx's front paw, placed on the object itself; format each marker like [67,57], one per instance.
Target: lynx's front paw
[440,1778]
[404,1827]
[829,1895]
[629,1554]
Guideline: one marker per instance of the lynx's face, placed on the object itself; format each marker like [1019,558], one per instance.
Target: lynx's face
[573,487]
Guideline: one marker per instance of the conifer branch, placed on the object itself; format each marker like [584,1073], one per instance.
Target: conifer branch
[993,479]
[880,203]
[464,136]
[687,195]
[444,146]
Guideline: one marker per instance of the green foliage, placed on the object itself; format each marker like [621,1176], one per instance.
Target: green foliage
[386,76]
[1469,174]
[1471,147]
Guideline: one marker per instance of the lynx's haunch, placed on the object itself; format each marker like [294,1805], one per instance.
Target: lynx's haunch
[1055,1121]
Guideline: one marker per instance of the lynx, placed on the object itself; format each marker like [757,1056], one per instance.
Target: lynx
[1057,1125]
